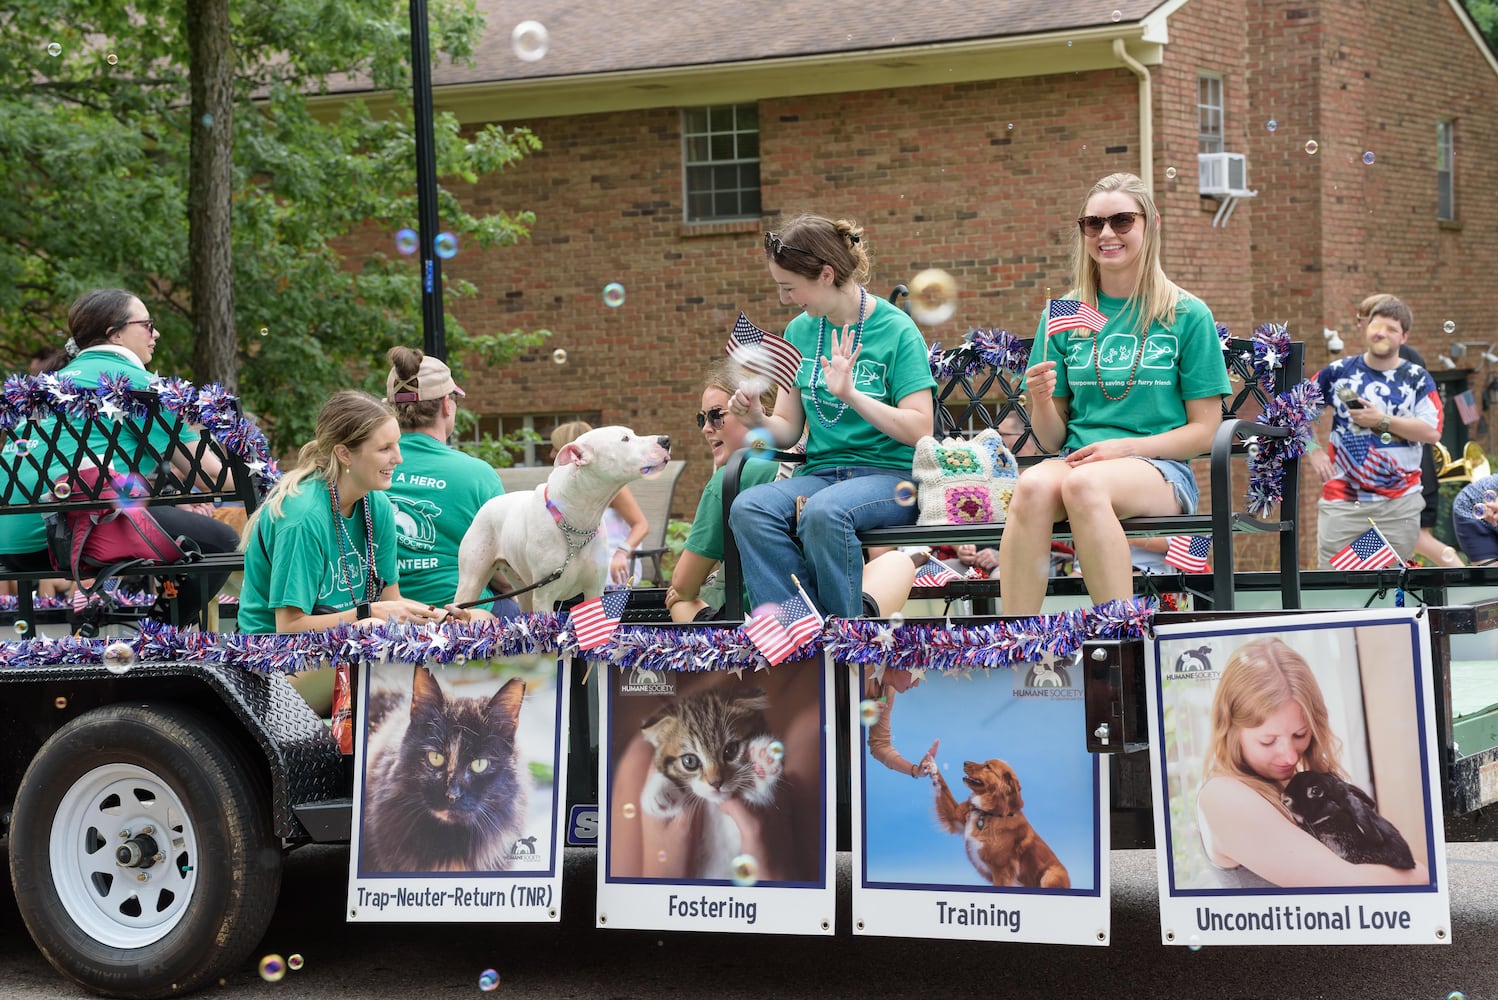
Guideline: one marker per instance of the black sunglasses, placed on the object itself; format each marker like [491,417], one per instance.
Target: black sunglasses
[776,246]
[714,416]
[1120,223]
[148,323]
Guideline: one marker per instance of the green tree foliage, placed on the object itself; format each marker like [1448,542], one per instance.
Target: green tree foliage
[1485,13]
[94,154]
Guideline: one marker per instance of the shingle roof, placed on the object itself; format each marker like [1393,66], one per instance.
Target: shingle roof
[620,35]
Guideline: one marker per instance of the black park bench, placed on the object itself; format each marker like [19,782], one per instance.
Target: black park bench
[970,401]
[117,436]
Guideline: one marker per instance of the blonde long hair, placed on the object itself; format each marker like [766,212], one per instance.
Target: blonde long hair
[1260,678]
[348,418]
[1154,296]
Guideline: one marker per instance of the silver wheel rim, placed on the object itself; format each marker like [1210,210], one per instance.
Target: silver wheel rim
[116,904]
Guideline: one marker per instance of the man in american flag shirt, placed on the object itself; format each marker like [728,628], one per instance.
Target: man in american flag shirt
[1384,409]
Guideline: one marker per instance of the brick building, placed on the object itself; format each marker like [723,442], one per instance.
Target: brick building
[963,137]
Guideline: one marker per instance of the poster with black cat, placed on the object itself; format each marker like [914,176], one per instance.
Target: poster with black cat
[457,796]
[1296,793]
[978,812]
[717,804]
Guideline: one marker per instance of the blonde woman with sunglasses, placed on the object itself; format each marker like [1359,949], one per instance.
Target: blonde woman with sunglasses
[1126,408]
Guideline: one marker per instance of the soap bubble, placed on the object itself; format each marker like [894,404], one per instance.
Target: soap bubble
[61,702]
[1386,437]
[760,442]
[763,610]
[905,493]
[118,657]
[933,296]
[21,626]
[628,810]
[112,59]
[529,41]
[776,750]
[207,121]
[272,968]
[745,870]
[559,356]
[1490,496]
[54,50]
[1449,326]
[265,331]
[1068,43]
[23,447]
[661,856]
[1479,510]
[1456,995]
[132,491]
[896,619]
[1117,16]
[488,981]
[1011,127]
[1170,173]
[407,242]
[1312,146]
[1271,125]
[445,246]
[868,712]
[1368,157]
[1194,943]
[294,962]
[62,491]
[613,295]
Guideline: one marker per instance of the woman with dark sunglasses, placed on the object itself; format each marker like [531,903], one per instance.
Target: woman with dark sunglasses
[112,333]
[1126,408]
[864,397]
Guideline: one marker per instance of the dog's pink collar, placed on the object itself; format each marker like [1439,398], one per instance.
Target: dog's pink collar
[561,519]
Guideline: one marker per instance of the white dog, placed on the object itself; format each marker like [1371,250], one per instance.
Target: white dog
[528,536]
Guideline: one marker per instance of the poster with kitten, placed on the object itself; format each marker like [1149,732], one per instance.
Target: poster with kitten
[716,801]
[457,798]
[1295,789]
[978,812]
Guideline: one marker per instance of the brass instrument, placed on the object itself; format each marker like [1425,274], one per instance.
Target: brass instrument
[1472,466]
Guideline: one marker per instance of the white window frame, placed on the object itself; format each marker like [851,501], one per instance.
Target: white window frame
[703,155]
[1210,114]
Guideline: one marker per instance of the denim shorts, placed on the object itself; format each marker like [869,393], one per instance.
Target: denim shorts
[1180,478]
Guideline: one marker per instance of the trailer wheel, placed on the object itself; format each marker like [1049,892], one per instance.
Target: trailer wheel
[142,853]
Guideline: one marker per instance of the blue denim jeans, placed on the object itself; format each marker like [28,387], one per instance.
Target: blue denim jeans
[821,547]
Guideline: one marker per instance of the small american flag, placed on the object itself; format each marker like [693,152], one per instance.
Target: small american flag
[780,634]
[1188,553]
[935,574]
[763,352]
[80,599]
[1068,314]
[594,621]
[1370,550]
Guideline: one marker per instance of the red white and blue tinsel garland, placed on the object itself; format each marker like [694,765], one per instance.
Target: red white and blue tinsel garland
[1296,409]
[32,398]
[997,349]
[952,646]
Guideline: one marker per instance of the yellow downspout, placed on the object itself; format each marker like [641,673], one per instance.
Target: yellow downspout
[1146,114]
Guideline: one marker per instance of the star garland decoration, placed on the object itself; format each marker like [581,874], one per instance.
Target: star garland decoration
[1296,409]
[951,646]
[997,349]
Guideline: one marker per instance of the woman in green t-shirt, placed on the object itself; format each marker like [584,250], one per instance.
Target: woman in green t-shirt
[1127,408]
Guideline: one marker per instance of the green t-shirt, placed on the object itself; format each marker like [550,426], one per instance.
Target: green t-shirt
[1180,363]
[436,493]
[292,561]
[706,536]
[23,533]
[892,363]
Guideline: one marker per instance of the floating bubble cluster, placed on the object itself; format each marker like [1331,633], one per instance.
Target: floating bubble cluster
[272,968]
[118,657]
[445,246]
[529,41]
[613,295]
[407,242]
[745,870]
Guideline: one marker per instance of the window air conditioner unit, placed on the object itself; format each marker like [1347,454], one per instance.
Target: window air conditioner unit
[1222,175]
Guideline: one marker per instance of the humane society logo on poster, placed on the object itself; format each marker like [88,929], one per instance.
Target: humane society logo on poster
[1051,677]
[641,681]
[1193,665]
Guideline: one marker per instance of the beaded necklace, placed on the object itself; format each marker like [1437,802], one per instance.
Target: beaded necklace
[340,532]
[817,367]
[1097,371]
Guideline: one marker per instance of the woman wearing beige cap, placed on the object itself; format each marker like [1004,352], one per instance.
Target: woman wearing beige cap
[437,490]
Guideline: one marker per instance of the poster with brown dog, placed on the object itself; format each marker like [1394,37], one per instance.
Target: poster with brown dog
[1296,792]
[977,811]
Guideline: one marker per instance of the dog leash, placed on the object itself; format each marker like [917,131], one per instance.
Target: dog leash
[523,590]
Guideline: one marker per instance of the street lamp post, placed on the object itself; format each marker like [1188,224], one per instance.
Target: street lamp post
[434,336]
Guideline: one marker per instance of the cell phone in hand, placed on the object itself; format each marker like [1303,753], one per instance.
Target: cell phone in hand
[1349,396]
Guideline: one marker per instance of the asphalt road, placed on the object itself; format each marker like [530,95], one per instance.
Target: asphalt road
[574,959]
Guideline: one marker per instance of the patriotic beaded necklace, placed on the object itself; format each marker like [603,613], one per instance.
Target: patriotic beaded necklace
[340,531]
[818,369]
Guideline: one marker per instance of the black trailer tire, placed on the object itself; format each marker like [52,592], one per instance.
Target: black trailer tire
[198,887]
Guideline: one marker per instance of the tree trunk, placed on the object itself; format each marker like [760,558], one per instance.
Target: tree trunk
[209,194]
